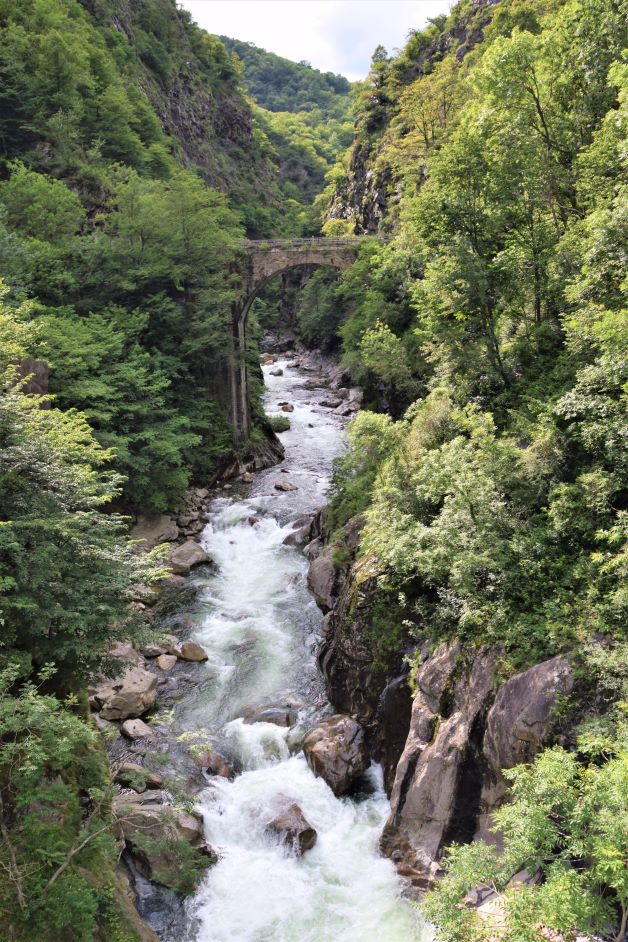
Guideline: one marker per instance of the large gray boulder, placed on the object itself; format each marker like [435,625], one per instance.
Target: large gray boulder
[187,556]
[293,829]
[336,751]
[432,801]
[153,529]
[518,725]
[321,580]
[130,695]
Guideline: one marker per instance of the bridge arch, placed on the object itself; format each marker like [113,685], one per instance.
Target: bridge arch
[259,262]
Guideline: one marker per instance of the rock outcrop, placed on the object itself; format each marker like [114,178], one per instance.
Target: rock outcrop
[518,726]
[130,695]
[293,829]
[362,678]
[436,794]
[449,778]
[150,530]
[186,557]
[336,751]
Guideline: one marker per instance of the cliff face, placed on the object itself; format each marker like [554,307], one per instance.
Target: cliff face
[367,194]
[195,88]
[443,740]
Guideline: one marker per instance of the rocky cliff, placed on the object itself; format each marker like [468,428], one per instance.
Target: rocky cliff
[443,736]
[367,193]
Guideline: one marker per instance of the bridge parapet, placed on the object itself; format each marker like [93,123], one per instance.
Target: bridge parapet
[260,260]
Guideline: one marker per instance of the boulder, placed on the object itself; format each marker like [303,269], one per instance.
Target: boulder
[124,652]
[436,789]
[277,372]
[214,763]
[185,557]
[321,580]
[293,829]
[336,751]
[277,715]
[330,403]
[136,729]
[149,829]
[518,726]
[286,407]
[153,650]
[247,477]
[137,777]
[299,537]
[190,651]
[150,530]
[285,486]
[132,694]
[166,662]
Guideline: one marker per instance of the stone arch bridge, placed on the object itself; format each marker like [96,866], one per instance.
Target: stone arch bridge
[259,261]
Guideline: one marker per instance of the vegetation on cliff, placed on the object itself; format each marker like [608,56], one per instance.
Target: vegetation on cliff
[490,334]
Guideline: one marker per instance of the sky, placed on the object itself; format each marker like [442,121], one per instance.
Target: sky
[332,35]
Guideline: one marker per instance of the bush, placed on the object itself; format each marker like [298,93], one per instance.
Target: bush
[279,423]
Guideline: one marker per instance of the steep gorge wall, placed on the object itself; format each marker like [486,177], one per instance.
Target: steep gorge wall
[445,735]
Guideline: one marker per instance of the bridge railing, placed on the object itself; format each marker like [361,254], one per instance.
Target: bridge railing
[299,243]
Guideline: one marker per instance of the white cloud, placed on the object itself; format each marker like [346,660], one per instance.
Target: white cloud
[334,35]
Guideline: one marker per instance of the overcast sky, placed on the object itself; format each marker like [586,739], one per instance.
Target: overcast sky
[333,35]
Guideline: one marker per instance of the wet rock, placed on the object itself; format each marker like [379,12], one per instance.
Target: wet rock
[247,477]
[150,530]
[132,694]
[214,763]
[187,556]
[190,651]
[299,537]
[286,407]
[277,372]
[321,580]
[277,715]
[293,829]
[330,403]
[285,486]
[166,662]
[336,751]
[136,729]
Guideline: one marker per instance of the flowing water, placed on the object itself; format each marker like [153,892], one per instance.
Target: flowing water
[259,626]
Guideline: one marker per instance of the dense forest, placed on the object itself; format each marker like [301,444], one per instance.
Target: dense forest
[485,318]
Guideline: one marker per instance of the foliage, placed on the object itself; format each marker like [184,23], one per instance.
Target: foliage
[565,823]
[54,824]
[280,85]
[279,423]
[501,304]
[65,570]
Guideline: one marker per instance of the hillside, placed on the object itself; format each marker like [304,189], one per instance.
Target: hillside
[278,84]
[457,391]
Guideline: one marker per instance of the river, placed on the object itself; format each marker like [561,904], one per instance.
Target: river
[259,626]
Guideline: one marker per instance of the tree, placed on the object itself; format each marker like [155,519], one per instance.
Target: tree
[65,569]
[566,823]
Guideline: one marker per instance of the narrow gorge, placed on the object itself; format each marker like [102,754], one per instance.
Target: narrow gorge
[313,472]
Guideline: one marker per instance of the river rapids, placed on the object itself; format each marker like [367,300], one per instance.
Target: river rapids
[259,626]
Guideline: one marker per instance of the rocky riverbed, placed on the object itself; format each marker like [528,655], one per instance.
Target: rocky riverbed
[221,735]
